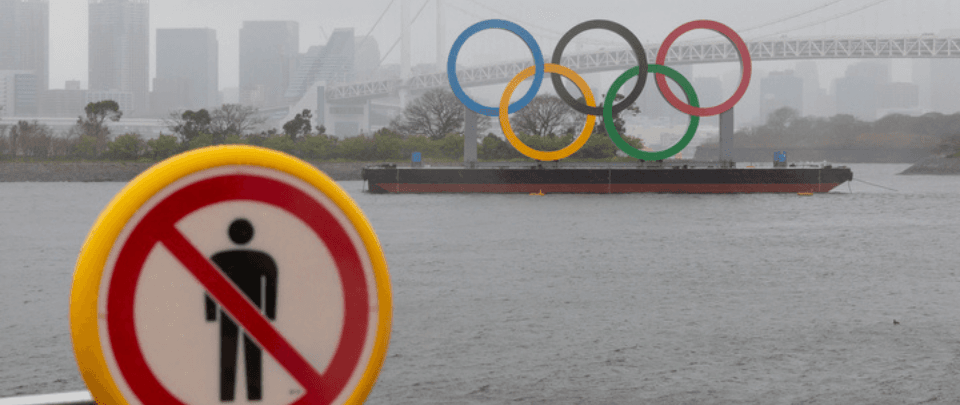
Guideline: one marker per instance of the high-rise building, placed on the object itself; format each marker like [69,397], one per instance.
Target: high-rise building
[651,103]
[68,102]
[187,70]
[945,85]
[857,96]
[25,38]
[859,92]
[779,90]
[816,100]
[119,49]
[18,93]
[333,63]
[269,51]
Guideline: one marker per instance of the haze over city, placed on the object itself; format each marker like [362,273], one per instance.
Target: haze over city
[650,22]
[316,22]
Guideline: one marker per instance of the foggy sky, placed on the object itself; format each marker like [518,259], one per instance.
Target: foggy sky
[545,19]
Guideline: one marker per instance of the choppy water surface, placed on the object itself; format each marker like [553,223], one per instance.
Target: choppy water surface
[598,298]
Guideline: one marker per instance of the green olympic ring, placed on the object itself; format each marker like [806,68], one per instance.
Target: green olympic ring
[611,128]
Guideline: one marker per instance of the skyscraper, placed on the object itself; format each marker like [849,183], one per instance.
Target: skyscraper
[119,48]
[268,60]
[18,93]
[333,63]
[859,92]
[25,37]
[778,90]
[187,75]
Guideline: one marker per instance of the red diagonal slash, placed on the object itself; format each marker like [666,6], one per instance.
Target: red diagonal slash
[247,315]
[157,227]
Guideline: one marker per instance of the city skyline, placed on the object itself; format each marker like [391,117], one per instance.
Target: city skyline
[120,31]
[545,20]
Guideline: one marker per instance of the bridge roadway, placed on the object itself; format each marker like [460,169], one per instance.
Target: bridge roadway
[925,46]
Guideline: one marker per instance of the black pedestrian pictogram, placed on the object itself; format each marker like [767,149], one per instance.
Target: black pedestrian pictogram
[254,273]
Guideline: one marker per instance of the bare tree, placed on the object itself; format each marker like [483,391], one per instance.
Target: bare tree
[436,113]
[31,139]
[61,146]
[234,119]
[228,119]
[546,115]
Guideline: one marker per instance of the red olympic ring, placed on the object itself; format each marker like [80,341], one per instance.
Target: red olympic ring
[745,66]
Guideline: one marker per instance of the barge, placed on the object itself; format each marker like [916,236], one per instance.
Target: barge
[605,178]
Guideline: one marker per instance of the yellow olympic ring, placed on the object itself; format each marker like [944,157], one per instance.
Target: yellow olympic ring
[539,154]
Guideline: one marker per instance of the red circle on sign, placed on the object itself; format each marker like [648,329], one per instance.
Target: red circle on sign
[157,226]
[745,63]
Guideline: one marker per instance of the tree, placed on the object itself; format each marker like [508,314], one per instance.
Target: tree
[126,147]
[93,123]
[618,122]
[546,115]
[31,139]
[357,148]
[280,143]
[163,146]
[219,123]
[189,124]
[234,119]
[100,111]
[317,146]
[436,113]
[299,125]
[494,148]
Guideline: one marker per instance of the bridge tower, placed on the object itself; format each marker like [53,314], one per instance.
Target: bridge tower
[441,51]
[404,48]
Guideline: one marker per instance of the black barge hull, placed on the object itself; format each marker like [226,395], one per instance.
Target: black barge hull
[603,180]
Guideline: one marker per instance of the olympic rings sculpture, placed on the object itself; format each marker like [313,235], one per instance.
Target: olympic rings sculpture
[587,106]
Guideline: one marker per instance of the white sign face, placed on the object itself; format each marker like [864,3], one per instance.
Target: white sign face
[238,284]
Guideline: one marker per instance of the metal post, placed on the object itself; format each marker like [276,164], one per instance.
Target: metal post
[441,52]
[726,136]
[469,137]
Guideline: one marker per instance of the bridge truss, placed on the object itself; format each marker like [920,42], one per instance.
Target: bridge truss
[926,46]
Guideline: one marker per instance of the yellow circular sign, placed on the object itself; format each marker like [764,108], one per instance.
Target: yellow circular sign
[228,252]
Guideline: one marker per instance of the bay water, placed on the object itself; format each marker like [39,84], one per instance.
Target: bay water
[597,299]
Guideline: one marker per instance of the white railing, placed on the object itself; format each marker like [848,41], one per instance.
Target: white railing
[926,46]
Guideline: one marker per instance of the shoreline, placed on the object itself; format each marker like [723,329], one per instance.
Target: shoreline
[11,172]
[126,171]
[936,165]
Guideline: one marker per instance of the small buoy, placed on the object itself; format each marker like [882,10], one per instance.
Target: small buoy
[895,322]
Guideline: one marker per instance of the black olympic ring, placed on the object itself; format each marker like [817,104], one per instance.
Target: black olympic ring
[623,32]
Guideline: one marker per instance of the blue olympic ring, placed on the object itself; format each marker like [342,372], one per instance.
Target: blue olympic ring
[516,30]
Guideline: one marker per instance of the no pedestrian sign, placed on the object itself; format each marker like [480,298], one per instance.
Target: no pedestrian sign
[231,275]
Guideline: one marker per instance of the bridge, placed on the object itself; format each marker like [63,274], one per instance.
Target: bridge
[925,46]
